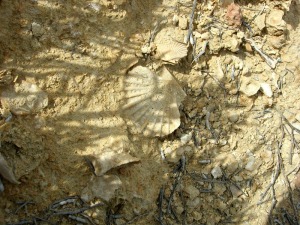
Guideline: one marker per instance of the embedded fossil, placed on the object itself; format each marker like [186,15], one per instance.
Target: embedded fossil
[152,101]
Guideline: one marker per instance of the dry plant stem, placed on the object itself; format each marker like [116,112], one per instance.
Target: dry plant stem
[160,204]
[293,140]
[271,62]
[207,123]
[23,205]
[201,52]
[78,219]
[273,179]
[190,31]
[290,191]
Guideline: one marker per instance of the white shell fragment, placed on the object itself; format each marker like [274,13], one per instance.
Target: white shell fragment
[171,52]
[101,187]
[6,171]
[152,101]
[109,160]
[266,89]
[24,98]
[249,86]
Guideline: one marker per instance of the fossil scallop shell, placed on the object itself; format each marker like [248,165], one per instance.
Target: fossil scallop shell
[152,101]
[171,52]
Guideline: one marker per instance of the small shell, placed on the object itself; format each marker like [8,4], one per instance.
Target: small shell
[152,101]
[171,52]
[24,98]
[103,187]
[6,171]
[108,160]
[249,86]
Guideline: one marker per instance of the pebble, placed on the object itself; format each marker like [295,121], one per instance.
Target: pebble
[260,21]
[37,29]
[193,203]
[249,86]
[183,23]
[266,89]
[233,117]
[217,172]
[185,138]
[219,188]
[192,191]
[275,23]
[250,164]
[277,41]
[236,192]
[175,20]
[197,215]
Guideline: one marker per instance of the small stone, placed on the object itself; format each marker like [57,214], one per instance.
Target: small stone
[251,164]
[275,23]
[175,20]
[179,210]
[266,89]
[219,188]
[260,21]
[197,215]
[277,41]
[192,191]
[193,203]
[249,86]
[233,117]
[234,15]
[236,192]
[37,29]
[183,23]
[217,172]
[185,138]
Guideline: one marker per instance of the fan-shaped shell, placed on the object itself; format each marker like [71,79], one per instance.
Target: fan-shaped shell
[171,52]
[152,101]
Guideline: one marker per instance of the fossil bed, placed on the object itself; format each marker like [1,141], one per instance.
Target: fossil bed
[236,118]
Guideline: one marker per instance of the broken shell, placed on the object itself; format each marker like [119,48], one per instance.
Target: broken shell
[24,98]
[171,52]
[6,171]
[152,101]
[249,86]
[266,89]
[101,187]
[109,160]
